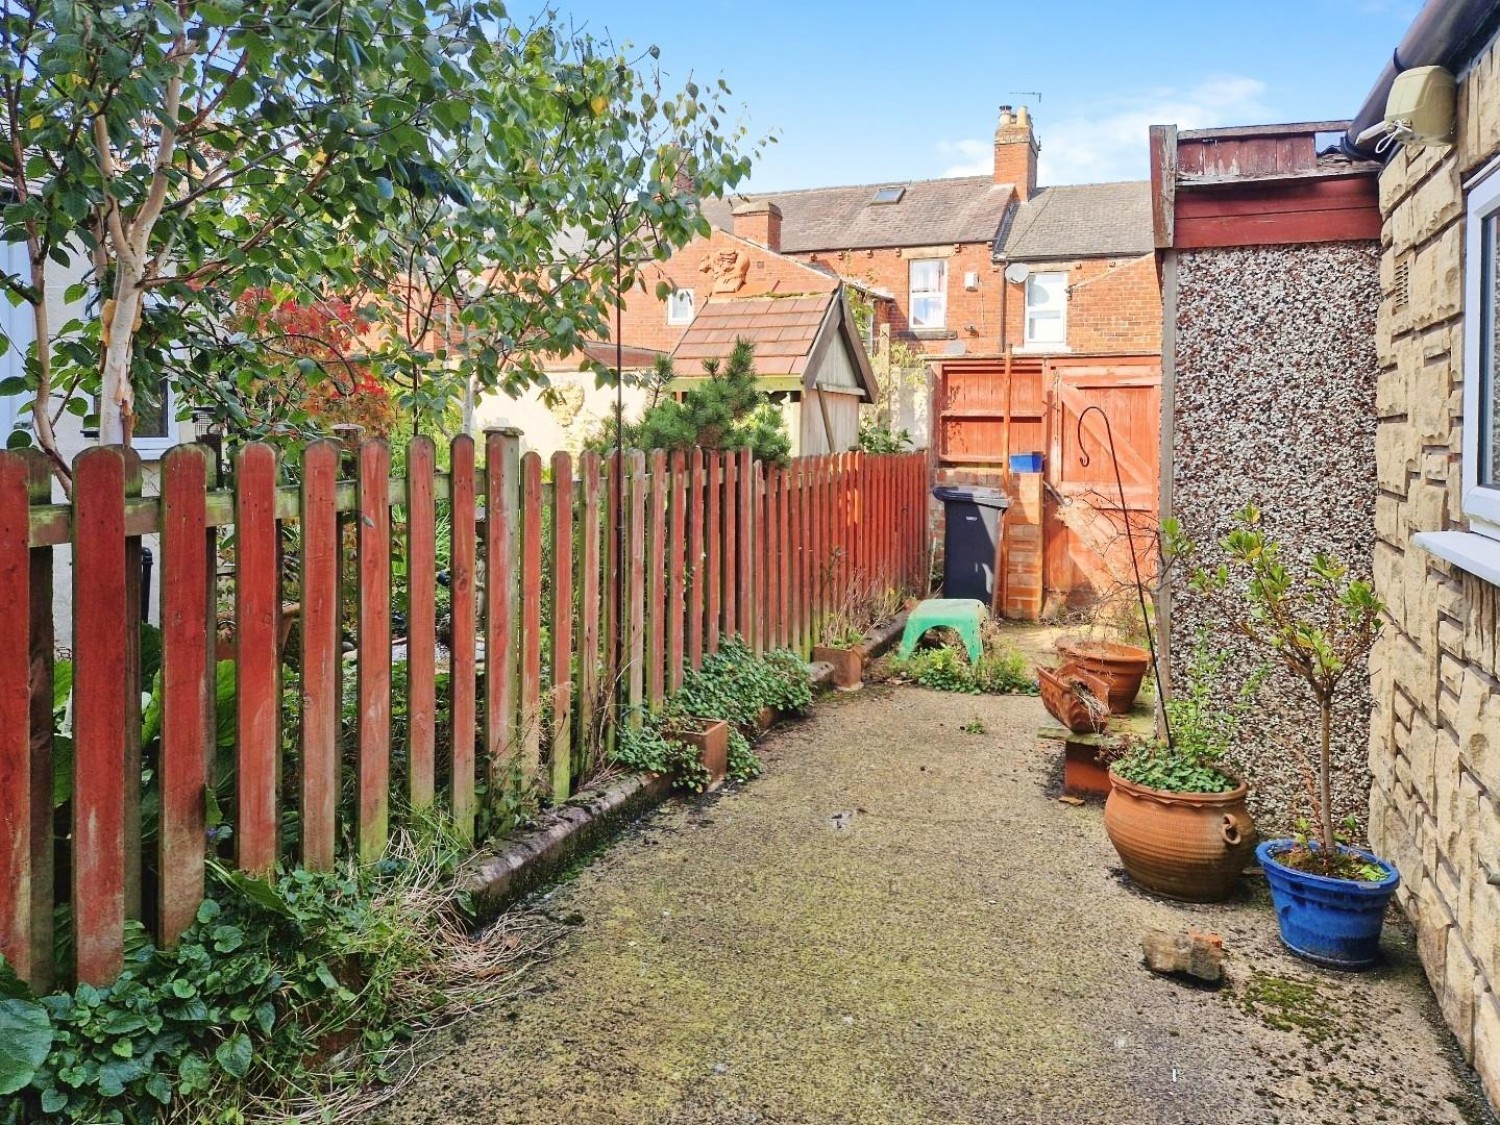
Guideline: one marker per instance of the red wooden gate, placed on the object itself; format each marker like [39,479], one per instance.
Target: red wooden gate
[980,417]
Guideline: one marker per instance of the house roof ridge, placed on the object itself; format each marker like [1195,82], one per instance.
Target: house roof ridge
[873,184]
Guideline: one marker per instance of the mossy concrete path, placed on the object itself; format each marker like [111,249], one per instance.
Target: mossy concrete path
[899,924]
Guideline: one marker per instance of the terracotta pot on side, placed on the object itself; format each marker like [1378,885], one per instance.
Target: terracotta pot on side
[848,668]
[1189,846]
[1062,694]
[1122,667]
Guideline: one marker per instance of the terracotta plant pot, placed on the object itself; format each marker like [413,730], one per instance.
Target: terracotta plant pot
[1066,693]
[710,737]
[848,668]
[1121,666]
[1189,846]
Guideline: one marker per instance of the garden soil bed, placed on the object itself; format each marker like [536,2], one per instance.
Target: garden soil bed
[899,925]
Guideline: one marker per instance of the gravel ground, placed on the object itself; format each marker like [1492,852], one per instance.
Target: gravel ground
[899,924]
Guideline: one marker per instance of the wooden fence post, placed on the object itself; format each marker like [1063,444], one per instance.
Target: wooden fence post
[713,539]
[745,556]
[374,646]
[656,581]
[730,533]
[697,560]
[634,631]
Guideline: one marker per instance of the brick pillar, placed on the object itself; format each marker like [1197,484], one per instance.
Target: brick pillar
[1023,531]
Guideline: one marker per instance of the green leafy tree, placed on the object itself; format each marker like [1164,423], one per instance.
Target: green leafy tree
[1317,624]
[725,411]
[448,166]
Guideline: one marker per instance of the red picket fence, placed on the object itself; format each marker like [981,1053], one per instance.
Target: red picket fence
[361,721]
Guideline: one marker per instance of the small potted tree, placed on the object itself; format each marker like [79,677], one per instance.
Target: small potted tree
[1330,897]
[1175,812]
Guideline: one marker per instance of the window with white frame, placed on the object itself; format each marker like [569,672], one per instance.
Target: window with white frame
[1481,456]
[1046,310]
[928,279]
[680,306]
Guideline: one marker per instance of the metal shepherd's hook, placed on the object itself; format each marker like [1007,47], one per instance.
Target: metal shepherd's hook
[1135,562]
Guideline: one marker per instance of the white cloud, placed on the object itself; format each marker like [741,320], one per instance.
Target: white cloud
[975,158]
[1107,140]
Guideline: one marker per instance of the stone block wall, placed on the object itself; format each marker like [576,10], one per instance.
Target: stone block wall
[1435,729]
[1273,402]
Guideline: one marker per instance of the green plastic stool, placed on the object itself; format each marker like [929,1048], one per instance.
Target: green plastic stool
[963,615]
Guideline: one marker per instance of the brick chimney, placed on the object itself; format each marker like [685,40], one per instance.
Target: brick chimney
[759,221]
[1016,151]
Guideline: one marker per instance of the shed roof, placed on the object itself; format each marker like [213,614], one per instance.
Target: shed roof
[1080,221]
[928,213]
[786,332]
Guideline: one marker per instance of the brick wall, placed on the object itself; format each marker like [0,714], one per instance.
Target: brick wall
[1435,730]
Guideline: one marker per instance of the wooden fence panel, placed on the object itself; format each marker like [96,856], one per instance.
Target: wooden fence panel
[257,597]
[562,628]
[319,682]
[186,683]
[421,621]
[461,707]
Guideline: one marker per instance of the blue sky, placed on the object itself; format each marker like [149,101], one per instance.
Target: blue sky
[871,91]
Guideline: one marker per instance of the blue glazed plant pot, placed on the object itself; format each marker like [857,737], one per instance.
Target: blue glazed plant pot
[1332,922]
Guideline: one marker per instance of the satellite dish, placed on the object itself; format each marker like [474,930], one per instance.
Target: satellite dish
[1017,272]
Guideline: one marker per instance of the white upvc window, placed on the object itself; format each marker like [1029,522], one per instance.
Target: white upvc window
[1046,310]
[1478,549]
[928,279]
[680,306]
[1481,370]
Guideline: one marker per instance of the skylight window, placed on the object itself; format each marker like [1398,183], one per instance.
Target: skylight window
[889,195]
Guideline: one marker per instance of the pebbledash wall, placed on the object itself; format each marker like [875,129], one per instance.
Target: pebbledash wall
[1270,268]
[1435,730]
[1273,403]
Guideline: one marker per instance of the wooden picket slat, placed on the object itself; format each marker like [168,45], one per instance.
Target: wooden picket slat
[186,684]
[656,579]
[713,534]
[461,559]
[783,564]
[531,619]
[731,561]
[15,715]
[635,582]
[99,712]
[562,627]
[759,544]
[43,659]
[744,571]
[374,671]
[770,560]
[697,560]
[676,546]
[588,605]
[502,625]
[614,591]
[257,606]
[421,621]
[319,685]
